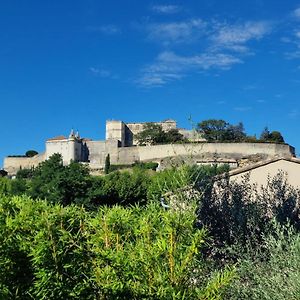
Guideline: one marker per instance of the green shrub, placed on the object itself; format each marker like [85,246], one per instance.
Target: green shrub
[24,173]
[272,274]
[241,214]
[146,165]
[53,252]
[55,182]
[113,168]
[19,221]
[60,254]
[125,188]
[151,254]
[5,186]
[170,180]
[19,186]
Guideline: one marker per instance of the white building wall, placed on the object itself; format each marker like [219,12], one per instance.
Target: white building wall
[260,174]
[70,149]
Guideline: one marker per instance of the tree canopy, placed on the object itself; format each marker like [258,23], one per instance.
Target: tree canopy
[153,134]
[31,153]
[220,130]
[274,136]
[59,183]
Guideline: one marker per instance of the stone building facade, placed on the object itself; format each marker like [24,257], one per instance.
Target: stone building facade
[121,145]
[125,133]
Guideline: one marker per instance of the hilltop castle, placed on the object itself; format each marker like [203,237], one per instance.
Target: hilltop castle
[121,144]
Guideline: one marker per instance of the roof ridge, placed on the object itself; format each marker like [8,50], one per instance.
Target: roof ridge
[262,163]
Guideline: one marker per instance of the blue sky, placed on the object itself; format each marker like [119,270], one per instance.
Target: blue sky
[67,64]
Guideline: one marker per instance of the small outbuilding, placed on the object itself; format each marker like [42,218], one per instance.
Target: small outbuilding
[260,172]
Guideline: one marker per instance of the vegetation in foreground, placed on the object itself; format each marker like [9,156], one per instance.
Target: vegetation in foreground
[54,252]
[109,237]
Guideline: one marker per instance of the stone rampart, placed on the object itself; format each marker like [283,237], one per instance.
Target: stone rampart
[98,150]
[128,155]
[13,164]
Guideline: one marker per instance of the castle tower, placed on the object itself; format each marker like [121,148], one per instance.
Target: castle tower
[71,155]
[115,130]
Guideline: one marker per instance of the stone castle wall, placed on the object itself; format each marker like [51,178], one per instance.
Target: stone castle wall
[98,150]
[120,145]
[13,164]
[125,132]
[129,155]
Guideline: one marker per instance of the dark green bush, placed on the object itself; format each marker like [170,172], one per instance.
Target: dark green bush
[31,153]
[113,168]
[24,173]
[125,188]
[62,184]
[271,274]
[3,173]
[19,187]
[146,165]
[242,214]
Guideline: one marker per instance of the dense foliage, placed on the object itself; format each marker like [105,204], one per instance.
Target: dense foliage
[123,188]
[31,153]
[272,273]
[242,214]
[123,236]
[153,134]
[214,130]
[274,136]
[54,252]
[219,130]
[57,183]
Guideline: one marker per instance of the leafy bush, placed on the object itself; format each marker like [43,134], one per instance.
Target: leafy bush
[19,187]
[123,188]
[57,183]
[170,180]
[24,173]
[272,274]
[241,214]
[146,165]
[5,186]
[3,173]
[136,165]
[54,252]
[113,168]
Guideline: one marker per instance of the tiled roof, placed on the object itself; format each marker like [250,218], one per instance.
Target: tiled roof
[57,138]
[261,164]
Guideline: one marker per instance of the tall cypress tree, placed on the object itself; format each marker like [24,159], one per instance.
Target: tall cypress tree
[107,164]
